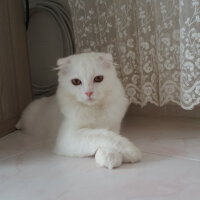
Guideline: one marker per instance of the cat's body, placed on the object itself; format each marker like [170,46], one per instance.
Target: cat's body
[86,113]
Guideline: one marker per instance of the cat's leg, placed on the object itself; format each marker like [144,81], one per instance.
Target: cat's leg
[108,157]
[110,148]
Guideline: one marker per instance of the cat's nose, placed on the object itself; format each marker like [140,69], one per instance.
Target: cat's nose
[89,94]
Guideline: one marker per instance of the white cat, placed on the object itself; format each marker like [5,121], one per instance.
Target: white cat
[86,112]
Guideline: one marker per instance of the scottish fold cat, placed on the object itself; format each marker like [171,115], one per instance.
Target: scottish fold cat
[86,113]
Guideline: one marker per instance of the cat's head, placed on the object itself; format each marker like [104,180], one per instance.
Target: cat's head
[88,77]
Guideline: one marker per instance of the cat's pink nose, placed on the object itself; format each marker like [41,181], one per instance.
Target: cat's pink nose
[89,94]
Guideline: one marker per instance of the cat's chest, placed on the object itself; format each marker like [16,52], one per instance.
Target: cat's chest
[98,117]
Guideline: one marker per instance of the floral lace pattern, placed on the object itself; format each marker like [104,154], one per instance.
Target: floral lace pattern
[155,43]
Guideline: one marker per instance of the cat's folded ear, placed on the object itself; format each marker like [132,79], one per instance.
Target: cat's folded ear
[106,59]
[62,64]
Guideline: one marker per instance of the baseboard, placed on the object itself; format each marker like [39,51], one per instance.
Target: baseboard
[167,110]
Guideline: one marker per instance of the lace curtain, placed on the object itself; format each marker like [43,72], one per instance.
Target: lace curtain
[156,44]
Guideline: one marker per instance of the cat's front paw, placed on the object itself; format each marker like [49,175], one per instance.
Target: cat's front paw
[129,151]
[131,154]
[109,158]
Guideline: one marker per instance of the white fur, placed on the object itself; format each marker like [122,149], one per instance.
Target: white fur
[83,126]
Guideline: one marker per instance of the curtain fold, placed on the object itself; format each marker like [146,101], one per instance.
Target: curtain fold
[156,44]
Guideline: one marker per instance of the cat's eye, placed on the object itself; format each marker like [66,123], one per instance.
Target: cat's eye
[76,81]
[98,79]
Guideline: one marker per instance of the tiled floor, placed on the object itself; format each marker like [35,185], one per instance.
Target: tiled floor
[169,170]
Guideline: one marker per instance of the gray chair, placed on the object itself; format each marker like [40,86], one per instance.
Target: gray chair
[50,36]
